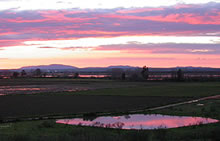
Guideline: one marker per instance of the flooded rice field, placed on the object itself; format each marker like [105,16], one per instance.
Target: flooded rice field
[32,89]
[139,121]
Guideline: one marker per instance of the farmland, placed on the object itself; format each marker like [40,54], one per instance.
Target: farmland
[102,97]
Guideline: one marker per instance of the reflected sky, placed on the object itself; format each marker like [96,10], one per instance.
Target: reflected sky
[32,89]
[139,121]
[93,75]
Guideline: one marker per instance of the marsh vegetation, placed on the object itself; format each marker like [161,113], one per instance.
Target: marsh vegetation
[104,97]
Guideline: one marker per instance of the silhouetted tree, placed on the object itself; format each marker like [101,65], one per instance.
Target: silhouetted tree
[37,72]
[180,75]
[123,76]
[134,77]
[15,74]
[145,72]
[76,75]
[23,73]
[173,75]
[44,74]
[116,73]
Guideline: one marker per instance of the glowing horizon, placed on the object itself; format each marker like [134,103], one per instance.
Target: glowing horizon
[103,33]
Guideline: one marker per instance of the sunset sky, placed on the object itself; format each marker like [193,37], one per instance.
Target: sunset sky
[88,33]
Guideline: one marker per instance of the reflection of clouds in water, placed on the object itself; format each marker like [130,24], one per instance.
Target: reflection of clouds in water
[127,117]
[23,89]
[31,89]
[140,121]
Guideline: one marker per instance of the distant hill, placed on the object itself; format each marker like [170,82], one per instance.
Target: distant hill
[106,68]
[122,67]
[101,69]
[185,69]
[190,68]
[67,67]
[49,67]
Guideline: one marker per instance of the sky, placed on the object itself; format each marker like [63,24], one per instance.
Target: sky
[98,33]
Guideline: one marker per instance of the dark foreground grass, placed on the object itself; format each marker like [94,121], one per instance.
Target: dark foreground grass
[208,108]
[45,105]
[48,130]
[136,96]
[114,99]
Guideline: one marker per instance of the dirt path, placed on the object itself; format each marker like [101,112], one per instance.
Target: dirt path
[182,103]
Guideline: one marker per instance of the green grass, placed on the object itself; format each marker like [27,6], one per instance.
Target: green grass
[123,88]
[209,109]
[160,89]
[117,97]
[18,106]
[144,94]
[48,130]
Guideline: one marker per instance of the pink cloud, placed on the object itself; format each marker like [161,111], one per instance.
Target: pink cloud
[137,10]
[67,24]
[182,6]
[177,18]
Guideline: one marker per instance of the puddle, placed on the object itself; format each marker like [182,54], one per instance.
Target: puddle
[139,121]
[23,89]
[6,90]
[93,75]
[32,89]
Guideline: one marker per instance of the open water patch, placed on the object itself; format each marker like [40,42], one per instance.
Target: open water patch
[139,121]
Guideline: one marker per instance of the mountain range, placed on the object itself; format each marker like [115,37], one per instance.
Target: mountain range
[124,67]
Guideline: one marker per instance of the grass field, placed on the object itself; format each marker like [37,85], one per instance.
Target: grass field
[124,88]
[37,105]
[108,96]
[170,89]
[207,108]
[47,130]
[105,96]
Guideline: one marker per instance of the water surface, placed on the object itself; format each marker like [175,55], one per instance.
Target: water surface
[94,75]
[139,121]
[32,89]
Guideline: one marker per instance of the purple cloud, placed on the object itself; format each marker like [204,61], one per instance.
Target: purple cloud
[166,48]
[19,26]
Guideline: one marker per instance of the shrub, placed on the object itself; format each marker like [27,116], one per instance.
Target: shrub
[47,124]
